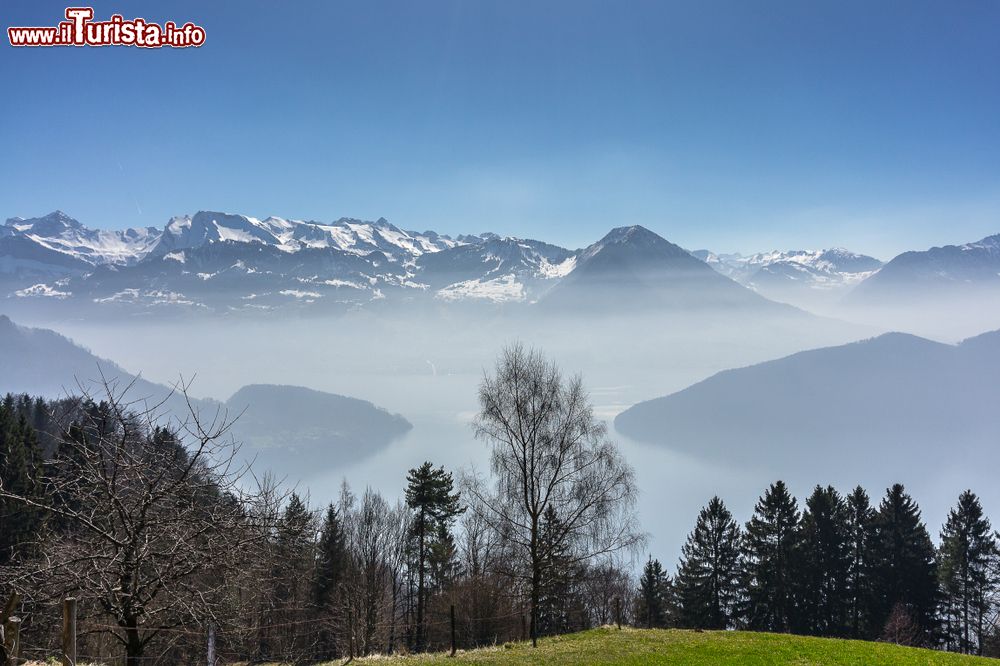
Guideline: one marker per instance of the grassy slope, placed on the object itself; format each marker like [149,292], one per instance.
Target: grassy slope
[642,646]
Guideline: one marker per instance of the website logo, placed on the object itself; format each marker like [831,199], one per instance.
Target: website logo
[79,29]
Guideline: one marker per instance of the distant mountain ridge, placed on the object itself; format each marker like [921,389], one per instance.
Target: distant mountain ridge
[229,263]
[799,277]
[236,263]
[893,395]
[940,272]
[58,232]
[287,429]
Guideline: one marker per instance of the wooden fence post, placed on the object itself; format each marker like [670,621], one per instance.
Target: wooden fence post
[9,607]
[13,641]
[454,647]
[69,632]
[211,644]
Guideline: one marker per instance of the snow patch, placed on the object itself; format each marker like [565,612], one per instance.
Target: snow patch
[498,290]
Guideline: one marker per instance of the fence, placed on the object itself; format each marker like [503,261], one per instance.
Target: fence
[11,649]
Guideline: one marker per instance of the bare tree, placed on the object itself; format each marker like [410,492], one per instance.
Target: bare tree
[146,519]
[549,454]
[376,535]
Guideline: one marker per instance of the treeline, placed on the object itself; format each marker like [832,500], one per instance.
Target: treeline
[838,567]
[165,538]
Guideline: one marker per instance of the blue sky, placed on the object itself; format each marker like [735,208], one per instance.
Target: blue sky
[729,125]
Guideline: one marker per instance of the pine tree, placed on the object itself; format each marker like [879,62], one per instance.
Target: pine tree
[294,557]
[823,564]
[708,575]
[330,559]
[331,565]
[904,568]
[770,548]
[20,461]
[558,597]
[967,558]
[860,516]
[653,608]
[429,496]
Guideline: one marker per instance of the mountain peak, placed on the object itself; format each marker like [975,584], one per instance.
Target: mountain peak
[630,234]
[53,224]
[635,240]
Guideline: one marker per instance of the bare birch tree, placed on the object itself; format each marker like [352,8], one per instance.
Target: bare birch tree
[549,453]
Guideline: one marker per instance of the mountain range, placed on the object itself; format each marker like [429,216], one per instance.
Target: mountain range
[222,262]
[940,273]
[799,277]
[287,429]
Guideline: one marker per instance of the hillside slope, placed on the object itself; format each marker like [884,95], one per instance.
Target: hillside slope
[675,646]
[894,397]
[288,430]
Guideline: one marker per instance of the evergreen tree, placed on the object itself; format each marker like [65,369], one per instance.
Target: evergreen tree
[330,559]
[655,591]
[823,564]
[429,496]
[558,596]
[903,566]
[860,517]
[967,559]
[331,565]
[292,571]
[20,460]
[770,545]
[708,575]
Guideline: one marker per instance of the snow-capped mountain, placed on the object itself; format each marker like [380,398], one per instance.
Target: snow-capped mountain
[220,260]
[800,277]
[494,268]
[229,262]
[347,235]
[935,274]
[835,265]
[59,232]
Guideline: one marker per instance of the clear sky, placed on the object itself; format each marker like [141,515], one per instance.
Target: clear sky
[728,125]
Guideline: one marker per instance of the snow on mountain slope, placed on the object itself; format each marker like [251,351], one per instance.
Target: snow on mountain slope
[347,235]
[61,233]
[495,268]
[940,272]
[231,261]
[801,277]
[835,264]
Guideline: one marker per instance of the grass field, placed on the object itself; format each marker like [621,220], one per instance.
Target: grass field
[656,646]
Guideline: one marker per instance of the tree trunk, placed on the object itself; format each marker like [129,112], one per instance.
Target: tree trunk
[536,581]
[420,585]
[392,620]
[133,645]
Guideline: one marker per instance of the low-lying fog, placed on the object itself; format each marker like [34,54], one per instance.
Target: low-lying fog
[427,367]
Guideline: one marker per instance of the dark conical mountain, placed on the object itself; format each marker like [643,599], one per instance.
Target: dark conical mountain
[633,267]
